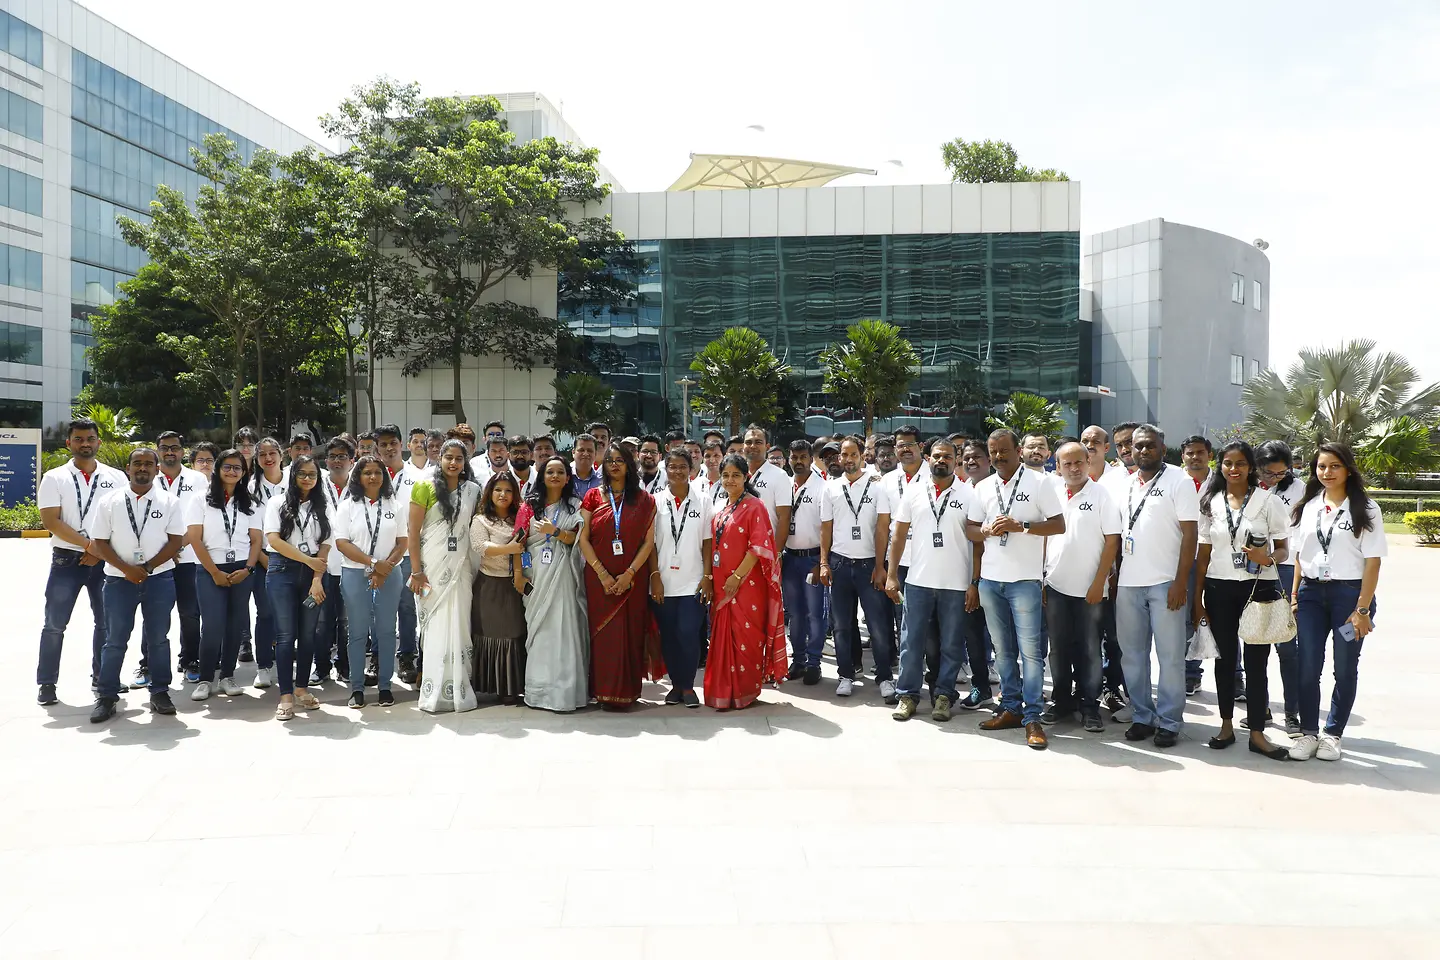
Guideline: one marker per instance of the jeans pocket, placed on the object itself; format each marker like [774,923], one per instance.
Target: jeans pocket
[65,558]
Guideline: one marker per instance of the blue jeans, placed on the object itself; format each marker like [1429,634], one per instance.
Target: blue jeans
[187,604]
[1289,651]
[1013,612]
[371,613]
[679,619]
[923,605]
[1139,613]
[62,589]
[330,633]
[804,609]
[849,584]
[1074,651]
[224,613]
[1323,609]
[264,618]
[155,598]
[289,584]
[407,619]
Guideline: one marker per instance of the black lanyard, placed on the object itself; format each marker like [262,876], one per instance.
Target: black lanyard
[1324,538]
[845,489]
[1230,520]
[1130,498]
[144,519]
[944,502]
[373,531]
[999,495]
[684,509]
[84,505]
[724,520]
[302,527]
[230,524]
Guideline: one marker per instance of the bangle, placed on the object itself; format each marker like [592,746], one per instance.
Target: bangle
[703,576]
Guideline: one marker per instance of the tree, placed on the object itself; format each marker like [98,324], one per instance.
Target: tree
[1339,395]
[1393,447]
[964,388]
[872,368]
[1028,413]
[580,399]
[990,161]
[739,375]
[112,425]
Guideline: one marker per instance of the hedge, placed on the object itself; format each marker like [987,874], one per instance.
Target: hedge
[1395,508]
[1425,525]
[25,515]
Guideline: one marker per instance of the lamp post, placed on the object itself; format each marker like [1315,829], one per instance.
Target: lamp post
[685,383]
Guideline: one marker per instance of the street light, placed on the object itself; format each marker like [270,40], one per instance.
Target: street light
[685,383]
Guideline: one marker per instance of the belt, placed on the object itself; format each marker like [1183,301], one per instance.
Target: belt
[836,558]
[1317,580]
[794,552]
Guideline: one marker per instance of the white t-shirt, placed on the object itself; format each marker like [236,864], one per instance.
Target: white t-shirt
[773,487]
[1168,499]
[212,534]
[805,513]
[946,566]
[157,514]
[1264,515]
[1073,557]
[360,521]
[304,533]
[655,484]
[333,499]
[262,491]
[1030,498]
[1348,553]
[681,566]
[897,482]
[527,485]
[1115,479]
[1288,498]
[57,489]
[404,480]
[189,486]
[852,532]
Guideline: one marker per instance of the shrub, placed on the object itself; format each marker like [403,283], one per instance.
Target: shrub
[1425,525]
[51,459]
[1395,508]
[25,515]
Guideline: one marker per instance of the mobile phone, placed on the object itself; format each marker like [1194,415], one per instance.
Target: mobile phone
[309,602]
[1347,631]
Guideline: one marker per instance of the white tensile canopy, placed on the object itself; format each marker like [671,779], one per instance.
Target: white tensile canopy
[713,171]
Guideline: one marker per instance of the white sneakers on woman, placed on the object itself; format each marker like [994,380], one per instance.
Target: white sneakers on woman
[1322,747]
[1329,748]
[264,677]
[229,688]
[201,691]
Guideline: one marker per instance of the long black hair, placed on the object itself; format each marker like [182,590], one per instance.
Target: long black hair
[1218,483]
[290,511]
[488,508]
[739,462]
[1355,493]
[448,506]
[632,473]
[537,491]
[1277,451]
[215,496]
[256,472]
[355,490]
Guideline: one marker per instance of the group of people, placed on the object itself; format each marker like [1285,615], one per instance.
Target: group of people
[492,567]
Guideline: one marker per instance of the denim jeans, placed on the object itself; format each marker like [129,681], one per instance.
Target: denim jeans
[371,613]
[62,589]
[1139,613]
[187,604]
[289,584]
[1289,652]
[1323,609]
[155,598]
[407,618]
[932,634]
[331,636]
[850,584]
[1013,612]
[1074,651]
[679,621]
[923,606]
[1112,669]
[224,612]
[804,609]
[264,618]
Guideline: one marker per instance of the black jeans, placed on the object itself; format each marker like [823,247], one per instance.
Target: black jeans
[1224,602]
[1074,651]
[1114,672]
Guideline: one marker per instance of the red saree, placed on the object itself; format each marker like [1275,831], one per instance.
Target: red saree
[747,631]
[624,644]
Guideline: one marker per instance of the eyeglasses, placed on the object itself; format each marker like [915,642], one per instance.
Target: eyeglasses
[170,448]
[337,457]
[231,468]
[204,462]
[1276,474]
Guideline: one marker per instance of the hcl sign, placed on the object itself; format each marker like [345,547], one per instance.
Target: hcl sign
[19,464]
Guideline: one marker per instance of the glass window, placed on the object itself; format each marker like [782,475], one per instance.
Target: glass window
[1237,369]
[1255,298]
[25,117]
[21,413]
[21,343]
[1237,288]
[1254,369]
[19,39]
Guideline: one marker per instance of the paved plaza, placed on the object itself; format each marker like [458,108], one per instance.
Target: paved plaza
[805,827]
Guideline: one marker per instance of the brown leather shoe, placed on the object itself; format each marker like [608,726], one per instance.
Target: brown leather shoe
[1004,720]
[1035,736]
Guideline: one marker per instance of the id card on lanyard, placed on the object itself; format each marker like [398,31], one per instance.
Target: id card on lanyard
[1129,543]
[855,532]
[1322,563]
[85,504]
[617,546]
[231,522]
[1005,508]
[675,534]
[138,557]
[1237,557]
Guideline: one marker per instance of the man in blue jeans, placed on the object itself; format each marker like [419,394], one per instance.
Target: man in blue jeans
[403,477]
[1012,513]
[138,532]
[803,595]
[68,498]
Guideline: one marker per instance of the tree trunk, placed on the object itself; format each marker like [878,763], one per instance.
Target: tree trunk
[370,375]
[260,382]
[459,403]
[869,417]
[289,408]
[350,411]
[734,419]
[236,387]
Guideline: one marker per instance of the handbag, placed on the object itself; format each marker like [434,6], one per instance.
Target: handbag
[1202,644]
[1267,621]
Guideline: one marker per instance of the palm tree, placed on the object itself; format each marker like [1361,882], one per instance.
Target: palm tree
[1338,394]
[739,374]
[580,399]
[1393,447]
[1028,413]
[113,424]
[872,368]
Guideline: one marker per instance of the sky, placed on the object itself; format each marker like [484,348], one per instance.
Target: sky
[1314,125]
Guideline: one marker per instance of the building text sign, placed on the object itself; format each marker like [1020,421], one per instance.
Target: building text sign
[19,464]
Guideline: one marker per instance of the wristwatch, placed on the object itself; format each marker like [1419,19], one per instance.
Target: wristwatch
[1363,611]
[1025,526]
[975,582]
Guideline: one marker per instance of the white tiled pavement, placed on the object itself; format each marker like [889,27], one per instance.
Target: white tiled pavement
[804,828]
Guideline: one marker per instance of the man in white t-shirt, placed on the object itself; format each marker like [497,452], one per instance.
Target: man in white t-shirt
[804,594]
[522,466]
[68,497]
[495,459]
[331,643]
[186,486]
[387,446]
[1158,549]
[1012,513]
[1077,576]
[930,522]
[906,467]
[771,483]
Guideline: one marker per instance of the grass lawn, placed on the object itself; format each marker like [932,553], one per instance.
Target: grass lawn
[1396,527]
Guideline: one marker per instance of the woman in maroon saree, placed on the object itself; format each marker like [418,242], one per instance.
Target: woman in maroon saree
[747,624]
[617,535]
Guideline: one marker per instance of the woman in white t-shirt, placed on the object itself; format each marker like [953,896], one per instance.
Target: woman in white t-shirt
[1242,539]
[1275,458]
[680,578]
[370,534]
[1340,541]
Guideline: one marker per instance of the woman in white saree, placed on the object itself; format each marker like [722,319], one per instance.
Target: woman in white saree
[440,513]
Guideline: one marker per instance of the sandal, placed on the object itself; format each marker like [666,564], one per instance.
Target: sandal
[285,711]
[307,700]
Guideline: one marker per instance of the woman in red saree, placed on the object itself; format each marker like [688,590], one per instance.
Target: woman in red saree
[617,534]
[747,624]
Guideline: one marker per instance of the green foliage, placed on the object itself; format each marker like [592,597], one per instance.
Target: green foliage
[114,425]
[580,399]
[990,161]
[24,515]
[1399,445]
[50,459]
[115,453]
[872,368]
[1394,508]
[964,388]
[1028,413]
[1425,525]
[740,376]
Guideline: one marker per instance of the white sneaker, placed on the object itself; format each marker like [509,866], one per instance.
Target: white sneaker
[1306,747]
[845,687]
[887,690]
[229,688]
[201,691]
[964,674]
[1328,748]
[1124,715]
[264,677]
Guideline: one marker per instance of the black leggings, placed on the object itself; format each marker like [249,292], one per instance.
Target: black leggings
[1224,601]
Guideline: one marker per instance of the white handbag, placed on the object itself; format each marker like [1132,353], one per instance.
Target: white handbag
[1267,621]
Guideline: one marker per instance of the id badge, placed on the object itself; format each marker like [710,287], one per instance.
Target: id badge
[792,528]
[1004,539]
[1129,547]
[717,558]
[137,558]
[452,544]
[937,538]
[854,533]
[229,556]
[306,549]
[1237,560]
[525,559]
[85,533]
[617,547]
[546,555]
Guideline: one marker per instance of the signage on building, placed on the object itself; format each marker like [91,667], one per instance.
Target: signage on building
[19,464]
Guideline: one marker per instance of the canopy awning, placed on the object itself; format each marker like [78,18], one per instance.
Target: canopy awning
[713,171]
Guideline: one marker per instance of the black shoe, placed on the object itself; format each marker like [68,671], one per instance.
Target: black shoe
[674,697]
[1166,738]
[160,703]
[1218,743]
[1192,686]
[1274,753]
[1269,718]
[1055,713]
[387,699]
[1139,731]
[703,657]
[692,701]
[357,700]
[812,676]
[247,652]
[104,710]
[46,697]
[317,678]
[372,672]
[407,672]
[797,670]
[1093,723]
[344,677]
